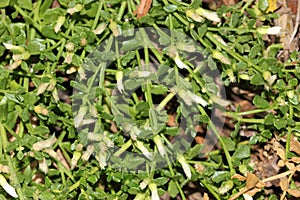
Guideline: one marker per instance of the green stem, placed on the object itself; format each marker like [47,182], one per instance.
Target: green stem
[215,165]
[181,19]
[232,53]
[97,14]
[121,11]
[135,98]
[63,177]
[230,29]
[36,10]
[215,130]
[212,191]
[9,92]
[171,22]
[251,120]
[248,3]
[148,86]
[164,102]
[123,148]
[63,169]
[118,56]
[235,114]
[3,19]
[65,153]
[36,25]
[54,46]
[165,2]
[21,129]
[11,131]
[102,65]
[13,172]
[173,174]
[289,134]
[150,45]
[74,186]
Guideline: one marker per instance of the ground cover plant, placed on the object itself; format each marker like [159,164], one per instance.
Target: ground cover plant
[168,99]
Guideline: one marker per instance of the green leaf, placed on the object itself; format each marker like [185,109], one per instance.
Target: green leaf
[170,8]
[40,130]
[257,79]
[142,106]
[284,109]
[36,46]
[161,181]
[172,131]
[159,89]
[27,4]
[194,151]
[202,30]
[46,195]
[241,152]
[234,133]
[255,50]
[280,84]
[211,63]
[254,139]
[4,3]
[267,134]
[229,143]
[220,176]
[92,178]
[269,119]
[259,102]
[45,6]
[293,82]
[280,123]
[234,20]
[4,109]
[202,118]
[133,190]
[263,5]
[172,189]
[48,31]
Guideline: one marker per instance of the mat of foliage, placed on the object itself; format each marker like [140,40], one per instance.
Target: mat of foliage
[42,156]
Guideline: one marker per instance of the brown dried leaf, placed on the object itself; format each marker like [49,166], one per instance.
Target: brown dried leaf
[229,2]
[295,146]
[4,168]
[285,21]
[260,184]
[284,184]
[205,196]
[171,120]
[289,165]
[292,5]
[251,181]
[281,163]
[199,140]
[199,168]
[294,192]
[113,127]
[44,144]
[295,159]
[281,153]
[62,159]
[298,168]
[239,177]
[253,191]
[143,8]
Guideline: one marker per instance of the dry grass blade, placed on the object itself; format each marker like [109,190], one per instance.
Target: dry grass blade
[143,9]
